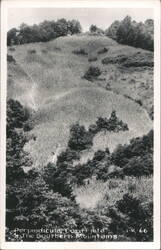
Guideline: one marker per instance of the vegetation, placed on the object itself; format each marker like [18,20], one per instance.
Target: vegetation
[10,59]
[139,35]
[132,219]
[92,73]
[54,198]
[134,60]
[94,30]
[42,32]
[80,139]
[80,52]
[17,118]
[112,185]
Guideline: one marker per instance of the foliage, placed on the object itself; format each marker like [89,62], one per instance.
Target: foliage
[137,59]
[131,33]
[32,51]
[10,59]
[80,139]
[94,30]
[132,218]
[36,206]
[42,32]
[137,157]
[92,73]
[112,30]
[111,124]
[58,178]
[80,52]
[68,156]
[12,36]
[17,158]
[102,51]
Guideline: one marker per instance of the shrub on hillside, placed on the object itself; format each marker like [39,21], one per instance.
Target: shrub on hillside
[80,139]
[92,73]
[138,59]
[111,124]
[11,59]
[92,59]
[80,52]
[44,51]
[31,51]
[102,51]
[68,156]
[12,49]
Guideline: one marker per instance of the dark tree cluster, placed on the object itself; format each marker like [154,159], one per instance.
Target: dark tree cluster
[42,32]
[139,35]
[16,157]
[113,124]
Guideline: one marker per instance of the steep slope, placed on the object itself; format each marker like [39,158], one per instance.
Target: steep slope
[49,78]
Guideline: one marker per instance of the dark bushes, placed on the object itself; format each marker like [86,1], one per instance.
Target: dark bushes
[132,219]
[92,73]
[134,60]
[32,51]
[102,51]
[80,139]
[12,49]
[92,59]
[44,51]
[111,124]
[11,59]
[115,59]
[80,52]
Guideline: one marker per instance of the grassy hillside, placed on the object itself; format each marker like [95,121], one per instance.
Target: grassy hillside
[48,77]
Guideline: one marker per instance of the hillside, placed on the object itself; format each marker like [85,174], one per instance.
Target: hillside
[48,77]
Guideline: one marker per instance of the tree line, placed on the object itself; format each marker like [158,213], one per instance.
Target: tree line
[42,32]
[130,32]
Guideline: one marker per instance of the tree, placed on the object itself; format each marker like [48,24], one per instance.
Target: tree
[80,139]
[12,37]
[123,30]
[112,30]
[93,28]
[74,27]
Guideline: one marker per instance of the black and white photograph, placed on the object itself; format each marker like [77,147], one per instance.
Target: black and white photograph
[79,153]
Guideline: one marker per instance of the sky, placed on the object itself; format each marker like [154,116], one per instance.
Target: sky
[101,17]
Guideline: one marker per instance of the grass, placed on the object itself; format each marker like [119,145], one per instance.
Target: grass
[99,195]
[61,97]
